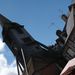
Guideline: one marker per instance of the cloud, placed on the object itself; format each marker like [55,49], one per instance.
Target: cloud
[13,63]
[1,45]
[5,68]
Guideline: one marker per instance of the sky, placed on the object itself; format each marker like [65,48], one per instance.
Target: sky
[41,18]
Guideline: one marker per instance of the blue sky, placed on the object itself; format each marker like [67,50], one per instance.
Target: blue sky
[41,18]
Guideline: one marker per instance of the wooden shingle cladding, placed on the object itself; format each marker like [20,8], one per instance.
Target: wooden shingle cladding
[69,46]
[37,66]
[69,50]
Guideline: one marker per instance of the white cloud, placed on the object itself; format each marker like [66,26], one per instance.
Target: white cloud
[13,63]
[1,45]
[3,61]
[6,69]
